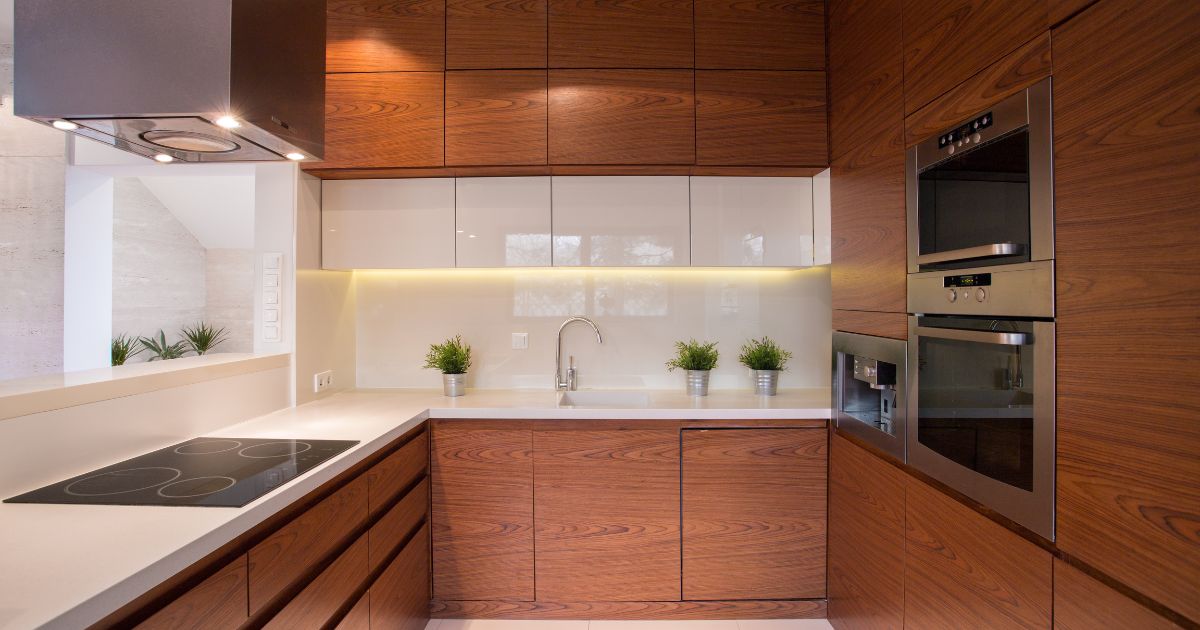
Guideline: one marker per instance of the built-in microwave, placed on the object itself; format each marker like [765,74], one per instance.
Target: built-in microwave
[870,389]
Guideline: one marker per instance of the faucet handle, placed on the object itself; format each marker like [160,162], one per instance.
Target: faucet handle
[572,374]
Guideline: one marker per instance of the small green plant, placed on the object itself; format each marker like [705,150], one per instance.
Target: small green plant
[159,349]
[203,337]
[450,357]
[124,348]
[764,354]
[693,355]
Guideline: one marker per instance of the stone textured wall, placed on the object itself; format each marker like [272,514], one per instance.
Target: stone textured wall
[230,302]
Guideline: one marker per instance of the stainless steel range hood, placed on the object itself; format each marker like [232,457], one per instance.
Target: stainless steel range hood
[186,80]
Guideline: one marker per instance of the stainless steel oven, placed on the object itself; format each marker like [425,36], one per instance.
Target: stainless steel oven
[870,389]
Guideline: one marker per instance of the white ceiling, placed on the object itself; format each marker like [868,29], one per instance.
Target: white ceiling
[217,209]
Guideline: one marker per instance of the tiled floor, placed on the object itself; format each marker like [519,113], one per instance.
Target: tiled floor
[498,624]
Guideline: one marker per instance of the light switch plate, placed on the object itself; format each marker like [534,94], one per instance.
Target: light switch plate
[520,341]
[322,381]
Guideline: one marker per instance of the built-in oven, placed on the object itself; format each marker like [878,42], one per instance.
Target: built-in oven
[870,389]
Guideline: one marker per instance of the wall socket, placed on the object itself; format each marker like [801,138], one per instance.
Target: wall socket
[520,341]
[322,381]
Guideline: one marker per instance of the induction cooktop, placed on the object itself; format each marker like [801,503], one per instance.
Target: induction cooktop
[205,471]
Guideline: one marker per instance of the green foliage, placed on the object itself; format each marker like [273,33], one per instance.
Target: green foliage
[160,349]
[693,355]
[202,337]
[124,348]
[764,354]
[450,357]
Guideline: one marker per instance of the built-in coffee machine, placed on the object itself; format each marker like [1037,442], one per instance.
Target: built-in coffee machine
[869,389]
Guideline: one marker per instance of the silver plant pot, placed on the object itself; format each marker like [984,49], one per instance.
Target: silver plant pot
[766,382]
[454,384]
[697,382]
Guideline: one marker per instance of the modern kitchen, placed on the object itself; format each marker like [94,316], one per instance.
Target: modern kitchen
[599,314]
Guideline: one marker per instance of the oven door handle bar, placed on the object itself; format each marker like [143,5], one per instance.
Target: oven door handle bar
[968,253]
[977,336]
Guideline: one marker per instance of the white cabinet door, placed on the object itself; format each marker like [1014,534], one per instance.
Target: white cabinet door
[621,221]
[752,222]
[387,223]
[503,221]
[822,219]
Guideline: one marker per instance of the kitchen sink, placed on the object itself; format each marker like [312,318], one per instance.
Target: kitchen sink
[604,399]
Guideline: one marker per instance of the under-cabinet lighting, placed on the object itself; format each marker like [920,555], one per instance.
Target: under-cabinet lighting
[64,125]
[295,157]
[228,122]
[164,158]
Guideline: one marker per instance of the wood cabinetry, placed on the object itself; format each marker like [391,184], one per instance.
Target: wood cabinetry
[400,595]
[319,603]
[621,34]
[760,34]
[753,504]
[495,117]
[359,617]
[218,602]
[372,36]
[866,99]
[1083,603]
[384,119]
[488,34]
[748,117]
[397,472]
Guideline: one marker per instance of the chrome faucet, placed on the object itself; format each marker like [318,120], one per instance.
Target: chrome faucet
[569,383]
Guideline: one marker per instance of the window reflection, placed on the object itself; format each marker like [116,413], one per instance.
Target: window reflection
[526,250]
[752,249]
[548,296]
[631,296]
[637,249]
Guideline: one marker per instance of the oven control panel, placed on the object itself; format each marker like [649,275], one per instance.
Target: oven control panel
[967,287]
[1017,290]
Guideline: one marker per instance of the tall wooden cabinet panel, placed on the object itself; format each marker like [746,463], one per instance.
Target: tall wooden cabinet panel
[947,41]
[749,117]
[866,99]
[600,494]
[400,595]
[385,119]
[217,603]
[1126,128]
[487,34]
[482,510]
[866,540]
[495,117]
[754,513]
[963,570]
[373,36]
[1083,603]
[760,34]
[621,34]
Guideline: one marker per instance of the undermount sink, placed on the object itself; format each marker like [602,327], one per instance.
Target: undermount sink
[604,398]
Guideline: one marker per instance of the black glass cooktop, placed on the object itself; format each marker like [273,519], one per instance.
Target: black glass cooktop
[206,471]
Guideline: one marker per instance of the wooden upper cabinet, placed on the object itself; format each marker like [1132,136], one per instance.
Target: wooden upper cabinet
[375,36]
[388,119]
[947,41]
[749,117]
[218,602]
[495,117]
[1083,603]
[489,34]
[1127,243]
[760,34]
[621,34]
[622,117]
[866,98]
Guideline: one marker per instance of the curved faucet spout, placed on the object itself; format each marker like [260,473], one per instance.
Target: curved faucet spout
[568,383]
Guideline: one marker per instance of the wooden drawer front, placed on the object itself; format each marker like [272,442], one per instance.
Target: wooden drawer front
[290,553]
[359,617]
[216,603]
[400,597]
[320,601]
[387,479]
[1082,603]
[388,532]
[754,513]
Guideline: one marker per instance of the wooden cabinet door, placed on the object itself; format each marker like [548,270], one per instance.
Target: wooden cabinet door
[607,511]
[318,604]
[1082,603]
[866,98]
[400,595]
[373,36]
[495,117]
[388,224]
[963,570]
[621,34]
[394,527]
[756,117]
[216,603]
[754,513]
[359,617]
[760,35]
[487,34]
[482,473]
[384,119]
[397,472]
[1127,239]
[866,540]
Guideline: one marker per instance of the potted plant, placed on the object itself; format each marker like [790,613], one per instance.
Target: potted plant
[160,349]
[124,348]
[766,359]
[453,358]
[203,337]
[698,359]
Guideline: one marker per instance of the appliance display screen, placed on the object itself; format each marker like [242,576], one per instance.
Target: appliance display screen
[969,280]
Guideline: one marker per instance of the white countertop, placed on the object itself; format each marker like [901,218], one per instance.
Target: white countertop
[67,566]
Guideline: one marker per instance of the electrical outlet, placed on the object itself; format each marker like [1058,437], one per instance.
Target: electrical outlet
[520,341]
[322,381]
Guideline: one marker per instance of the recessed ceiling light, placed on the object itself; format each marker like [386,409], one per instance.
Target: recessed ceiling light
[228,122]
[295,157]
[64,125]
[164,158]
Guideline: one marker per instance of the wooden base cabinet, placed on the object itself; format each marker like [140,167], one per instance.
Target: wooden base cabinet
[218,602]
[400,596]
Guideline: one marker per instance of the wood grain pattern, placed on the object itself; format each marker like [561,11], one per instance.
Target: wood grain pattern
[496,117]
[488,34]
[482,510]
[359,617]
[869,228]
[601,493]
[385,35]
[287,555]
[1057,11]
[760,34]
[964,571]
[1126,132]
[866,540]
[218,602]
[386,119]
[400,595]
[751,117]
[891,325]
[866,98]
[387,479]
[754,518]
[1082,603]
[622,117]
[785,609]
[621,34]
[393,528]
[1015,72]
[318,604]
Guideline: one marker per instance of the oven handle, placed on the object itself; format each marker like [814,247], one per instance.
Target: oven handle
[977,336]
[982,251]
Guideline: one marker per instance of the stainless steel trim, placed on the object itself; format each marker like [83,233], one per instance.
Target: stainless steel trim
[976,336]
[967,253]
[894,351]
[1017,290]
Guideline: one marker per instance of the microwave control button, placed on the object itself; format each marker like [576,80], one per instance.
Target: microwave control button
[981,294]
[952,295]
[950,149]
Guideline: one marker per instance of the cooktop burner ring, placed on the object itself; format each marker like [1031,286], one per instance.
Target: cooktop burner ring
[188,448]
[113,474]
[165,495]
[291,453]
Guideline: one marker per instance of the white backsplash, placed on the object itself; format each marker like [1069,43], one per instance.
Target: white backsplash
[641,313]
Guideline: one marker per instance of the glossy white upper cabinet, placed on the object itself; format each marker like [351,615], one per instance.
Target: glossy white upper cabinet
[503,221]
[822,219]
[621,221]
[752,221]
[387,223]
